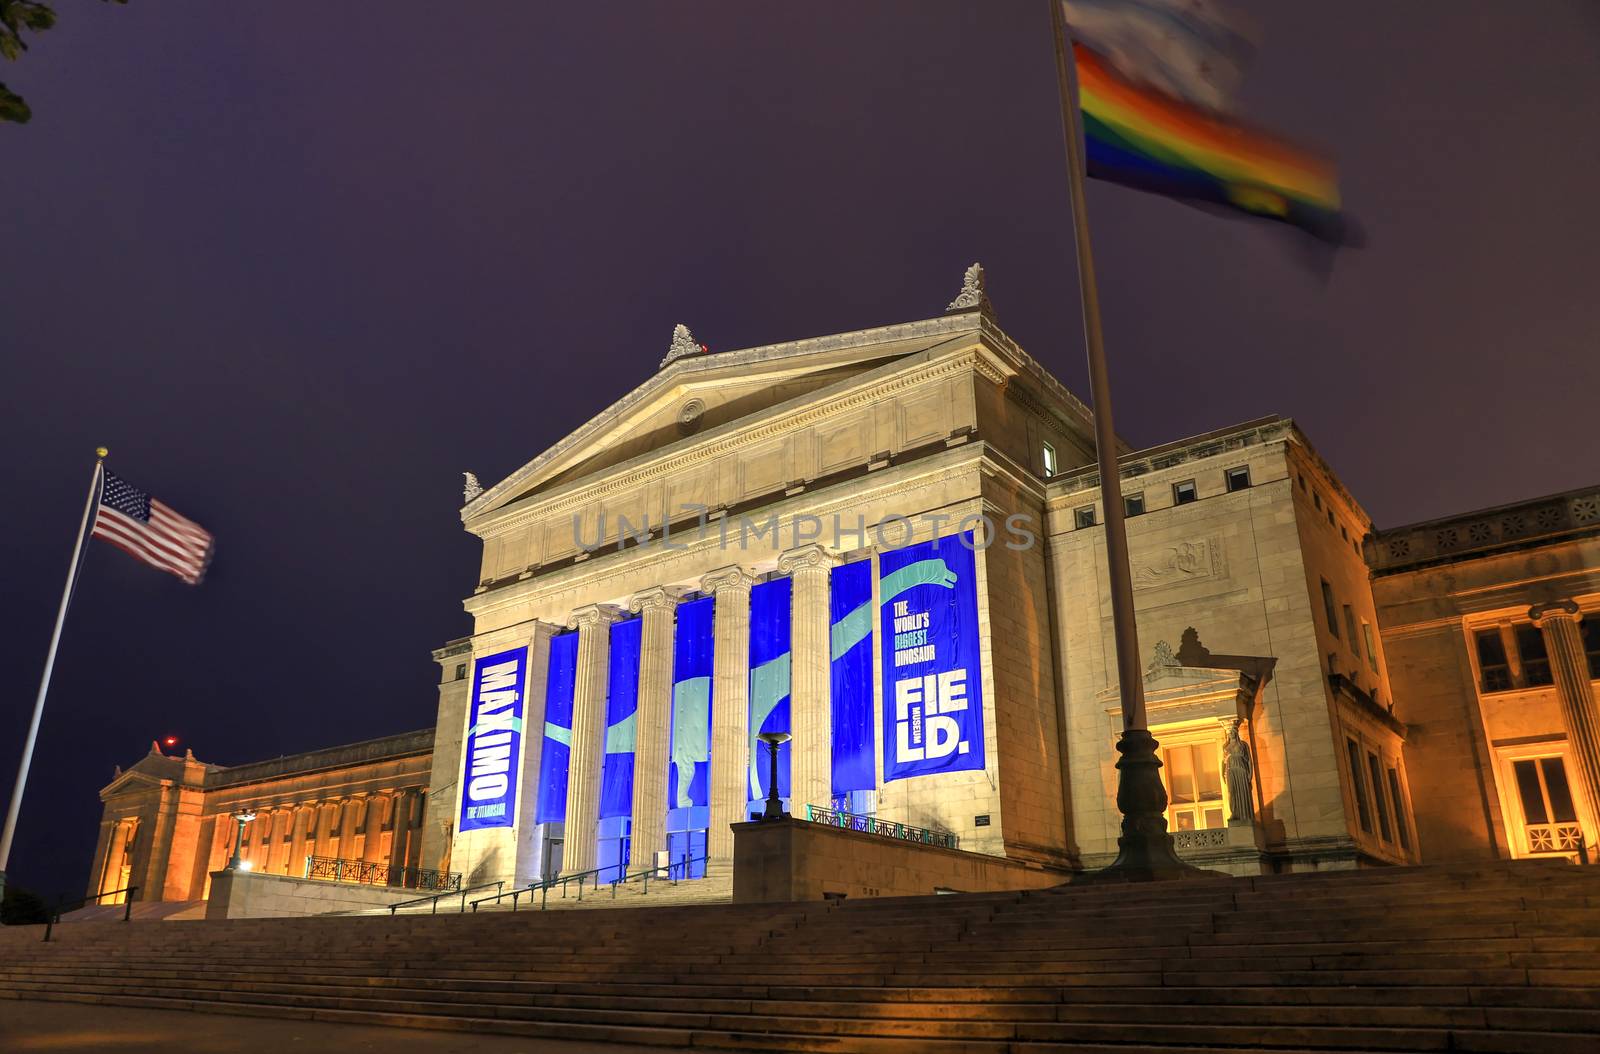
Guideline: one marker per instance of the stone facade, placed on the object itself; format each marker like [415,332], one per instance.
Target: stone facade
[168,821]
[1492,623]
[1307,675]
[926,427]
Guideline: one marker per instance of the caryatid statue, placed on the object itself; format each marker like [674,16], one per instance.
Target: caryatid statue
[1236,768]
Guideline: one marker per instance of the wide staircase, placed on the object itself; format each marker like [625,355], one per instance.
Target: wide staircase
[1502,957]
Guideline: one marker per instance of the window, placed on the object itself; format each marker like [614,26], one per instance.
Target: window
[1316,498]
[1350,628]
[1302,476]
[1344,533]
[461,671]
[1329,609]
[1049,460]
[1083,517]
[1494,670]
[1330,516]
[1133,504]
[1194,786]
[1376,772]
[1399,809]
[1589,629]
[1238,478]
[1550,821]
[1372,651]
[1535,660]
[1358,786]
[1183,493]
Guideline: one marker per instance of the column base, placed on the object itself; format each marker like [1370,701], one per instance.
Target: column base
[1145,850]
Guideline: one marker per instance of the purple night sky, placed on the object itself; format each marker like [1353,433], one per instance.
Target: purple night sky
[298,265]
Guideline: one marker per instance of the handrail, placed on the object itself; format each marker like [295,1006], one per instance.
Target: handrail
[886,828]
[447,893]
[61,905]
[544,888]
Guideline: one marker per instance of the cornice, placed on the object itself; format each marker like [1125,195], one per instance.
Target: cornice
[825,502]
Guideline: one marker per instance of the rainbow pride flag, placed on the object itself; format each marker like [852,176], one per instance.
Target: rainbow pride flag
[1144,138]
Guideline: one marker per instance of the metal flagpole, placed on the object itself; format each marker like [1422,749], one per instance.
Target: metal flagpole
[49,665]
[1145,848]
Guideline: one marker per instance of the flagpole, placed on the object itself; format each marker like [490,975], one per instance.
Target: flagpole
[49,666]
[1145,848]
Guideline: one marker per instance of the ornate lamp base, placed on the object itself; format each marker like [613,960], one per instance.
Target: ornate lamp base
[1145,850]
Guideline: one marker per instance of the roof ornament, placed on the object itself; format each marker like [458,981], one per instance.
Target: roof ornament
[472,489]
[974,292]
[683,343]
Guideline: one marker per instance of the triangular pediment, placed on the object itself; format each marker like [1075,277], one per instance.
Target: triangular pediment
[701,392]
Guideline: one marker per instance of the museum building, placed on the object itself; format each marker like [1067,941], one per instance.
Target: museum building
[879,555]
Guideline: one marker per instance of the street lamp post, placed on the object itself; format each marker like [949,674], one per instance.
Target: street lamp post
[240,818]
[774,809]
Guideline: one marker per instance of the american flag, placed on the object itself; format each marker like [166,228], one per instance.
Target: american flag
[141,526]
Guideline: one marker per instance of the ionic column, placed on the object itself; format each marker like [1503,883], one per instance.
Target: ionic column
[372,850]
[399,832]
[355,812]
[102,853]
[1564,643]
[730,707]
[810,710]
[593,624]
[304,817]
[652,724]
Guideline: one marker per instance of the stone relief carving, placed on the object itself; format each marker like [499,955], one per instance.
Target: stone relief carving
[683,343]
[1236,770]
[974,291]
[1187,561]
[472,488]
[1163,660]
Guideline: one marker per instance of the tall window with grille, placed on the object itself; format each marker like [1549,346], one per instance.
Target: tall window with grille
[1549,816]
[1193,772]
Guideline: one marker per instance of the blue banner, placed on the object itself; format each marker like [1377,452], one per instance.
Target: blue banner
[493,746]
[689,773]
[850,649]
[932,676]
[557,752]
[622,704]
[769,682]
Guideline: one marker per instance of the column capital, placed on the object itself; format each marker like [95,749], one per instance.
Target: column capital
[811,557]
[591,615]
[733,579]
[1556,610]
[656,598]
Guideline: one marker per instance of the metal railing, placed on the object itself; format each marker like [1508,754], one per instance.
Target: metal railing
[884,828]
[62,905]
[675,871]
[372,873]
[462,893]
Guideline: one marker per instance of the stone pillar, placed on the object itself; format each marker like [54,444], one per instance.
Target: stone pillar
[810,707]
[730,707]
[304,816]
[652,724]
[1570,668]
[593,624]
[399,828]
[377,804]
[102,852]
